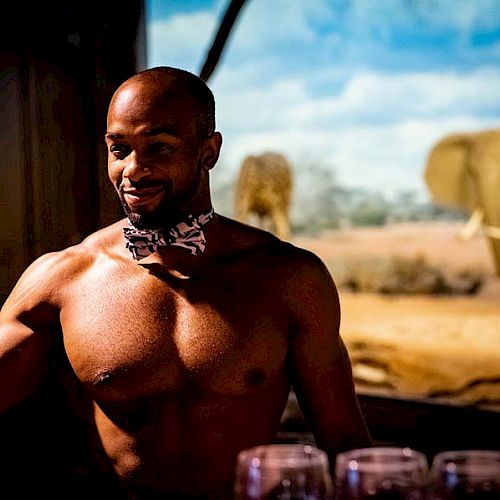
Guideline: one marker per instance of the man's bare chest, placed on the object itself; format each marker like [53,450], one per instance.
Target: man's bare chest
[137,331]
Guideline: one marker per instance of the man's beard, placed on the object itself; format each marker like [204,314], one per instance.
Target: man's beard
[146,221]
[168,213]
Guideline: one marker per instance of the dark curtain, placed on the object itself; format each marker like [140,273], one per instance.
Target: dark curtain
[60,62]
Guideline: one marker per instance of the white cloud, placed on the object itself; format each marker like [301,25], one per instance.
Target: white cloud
[383,158]
[245,109]
[434,15]
[366,98]
[381,97]
[265,24]
[377,132]
[181,40]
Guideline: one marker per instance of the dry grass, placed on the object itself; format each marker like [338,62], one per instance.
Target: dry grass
[436,241]
[414,341]
[409,275]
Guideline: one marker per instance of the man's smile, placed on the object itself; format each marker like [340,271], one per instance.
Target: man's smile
[137,197]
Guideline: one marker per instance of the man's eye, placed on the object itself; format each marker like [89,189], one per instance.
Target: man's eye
[160,147]
[119,151]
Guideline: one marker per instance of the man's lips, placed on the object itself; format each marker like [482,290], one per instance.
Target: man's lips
[137,197]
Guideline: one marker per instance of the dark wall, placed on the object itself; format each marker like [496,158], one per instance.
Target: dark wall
[60,62]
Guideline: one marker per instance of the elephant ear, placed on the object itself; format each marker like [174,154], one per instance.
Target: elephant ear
[447,175]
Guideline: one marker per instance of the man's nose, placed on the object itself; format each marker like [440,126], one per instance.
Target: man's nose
[135,169]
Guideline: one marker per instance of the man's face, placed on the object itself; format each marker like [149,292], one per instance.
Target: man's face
[154,153]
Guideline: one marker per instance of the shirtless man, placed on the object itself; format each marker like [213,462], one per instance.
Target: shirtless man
[185,352]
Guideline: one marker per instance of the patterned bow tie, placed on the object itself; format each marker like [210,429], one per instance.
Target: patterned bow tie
[188,235]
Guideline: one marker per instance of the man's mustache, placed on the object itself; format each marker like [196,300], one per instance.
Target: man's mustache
[144,185]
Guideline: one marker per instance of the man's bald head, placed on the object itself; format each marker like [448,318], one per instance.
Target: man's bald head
[166,83]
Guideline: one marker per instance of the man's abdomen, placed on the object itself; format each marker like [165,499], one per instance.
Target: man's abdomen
[190,446]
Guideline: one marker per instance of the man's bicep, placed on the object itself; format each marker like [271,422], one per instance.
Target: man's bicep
[26,322]
[321,369]
[322,381]
[23,361]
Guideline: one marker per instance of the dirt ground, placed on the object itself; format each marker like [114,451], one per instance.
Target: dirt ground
[444,347]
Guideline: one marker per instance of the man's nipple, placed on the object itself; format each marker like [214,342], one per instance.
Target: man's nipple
[104,378]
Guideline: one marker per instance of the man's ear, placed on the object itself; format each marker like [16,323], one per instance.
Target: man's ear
[211,150]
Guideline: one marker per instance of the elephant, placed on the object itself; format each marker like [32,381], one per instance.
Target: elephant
[463,171]
[264,188]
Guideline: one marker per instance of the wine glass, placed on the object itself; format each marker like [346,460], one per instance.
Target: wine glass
[381,472]
[283,472]
[465,474]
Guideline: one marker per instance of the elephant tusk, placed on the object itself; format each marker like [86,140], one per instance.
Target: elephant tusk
[472,226]
[492,232]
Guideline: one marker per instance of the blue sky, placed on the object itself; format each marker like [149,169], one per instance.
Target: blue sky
[361,87]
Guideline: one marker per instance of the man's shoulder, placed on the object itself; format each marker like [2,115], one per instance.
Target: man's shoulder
[262,246]
[43,282]
[54,270]
[46,278]
[78,258]
[297,264]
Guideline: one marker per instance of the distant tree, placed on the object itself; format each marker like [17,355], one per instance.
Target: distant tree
[314,205]
[373,210]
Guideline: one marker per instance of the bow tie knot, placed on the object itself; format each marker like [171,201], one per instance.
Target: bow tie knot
[187,234]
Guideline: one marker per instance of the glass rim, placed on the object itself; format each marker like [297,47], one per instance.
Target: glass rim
[460,454]
[283,455]
[488,461]
[372,459]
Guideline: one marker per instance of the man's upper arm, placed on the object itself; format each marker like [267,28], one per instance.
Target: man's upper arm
[26,322]
[320,366]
